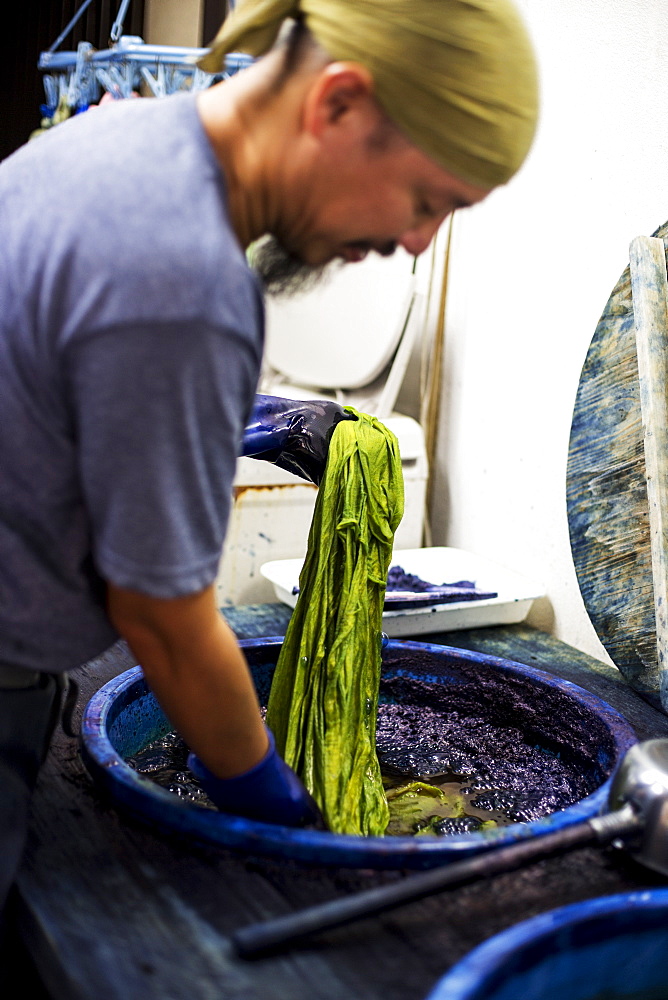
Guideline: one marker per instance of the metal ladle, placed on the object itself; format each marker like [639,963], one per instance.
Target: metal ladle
[637,819]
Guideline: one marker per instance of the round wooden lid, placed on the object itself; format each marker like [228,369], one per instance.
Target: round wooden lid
[607,497]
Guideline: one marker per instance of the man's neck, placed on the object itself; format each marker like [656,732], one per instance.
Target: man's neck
[249,128]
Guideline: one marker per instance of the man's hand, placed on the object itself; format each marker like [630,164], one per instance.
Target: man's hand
[293,434]
[270,792]
[197,672]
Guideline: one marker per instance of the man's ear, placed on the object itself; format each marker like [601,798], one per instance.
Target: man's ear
[341,87]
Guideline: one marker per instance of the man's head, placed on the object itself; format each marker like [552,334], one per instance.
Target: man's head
[366,188]
[458,77]
[407,110]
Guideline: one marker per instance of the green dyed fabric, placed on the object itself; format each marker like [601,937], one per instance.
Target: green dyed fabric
[324,696]
[415,806]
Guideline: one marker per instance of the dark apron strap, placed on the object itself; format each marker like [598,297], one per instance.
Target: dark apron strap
[69,694]
[67,691]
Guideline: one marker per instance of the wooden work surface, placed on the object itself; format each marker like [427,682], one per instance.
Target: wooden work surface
[111,910]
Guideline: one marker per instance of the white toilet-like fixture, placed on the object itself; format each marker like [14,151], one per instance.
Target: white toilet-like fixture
[349,339]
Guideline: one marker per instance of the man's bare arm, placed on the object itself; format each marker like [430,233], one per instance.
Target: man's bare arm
[197,672]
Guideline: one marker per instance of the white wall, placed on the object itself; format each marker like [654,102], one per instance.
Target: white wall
[173,22]
[532,270]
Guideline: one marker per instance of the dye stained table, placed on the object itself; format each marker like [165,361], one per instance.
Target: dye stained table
[110,910]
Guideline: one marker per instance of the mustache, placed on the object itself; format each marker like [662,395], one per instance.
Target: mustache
[283,274]
[383,249]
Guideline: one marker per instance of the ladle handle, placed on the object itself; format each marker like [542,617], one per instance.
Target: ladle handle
[270,935]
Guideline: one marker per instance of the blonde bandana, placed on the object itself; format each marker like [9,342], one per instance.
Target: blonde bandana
[457,76]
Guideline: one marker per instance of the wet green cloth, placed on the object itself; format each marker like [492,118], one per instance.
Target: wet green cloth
[415,805]
[324,697]
[458,77]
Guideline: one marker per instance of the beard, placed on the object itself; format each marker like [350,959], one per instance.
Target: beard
[283,274]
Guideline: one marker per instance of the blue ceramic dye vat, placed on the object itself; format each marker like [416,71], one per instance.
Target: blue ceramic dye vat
[123,718]
[613,948]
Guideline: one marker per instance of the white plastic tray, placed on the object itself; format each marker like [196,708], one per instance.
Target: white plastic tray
[437,565]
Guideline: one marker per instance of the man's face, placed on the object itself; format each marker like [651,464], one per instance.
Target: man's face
[375,195]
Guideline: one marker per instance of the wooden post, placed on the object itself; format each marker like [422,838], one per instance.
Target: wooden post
[650,310]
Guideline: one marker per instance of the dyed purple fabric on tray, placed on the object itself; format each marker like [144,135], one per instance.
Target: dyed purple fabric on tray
[399,579]
[405,590]
[408,590]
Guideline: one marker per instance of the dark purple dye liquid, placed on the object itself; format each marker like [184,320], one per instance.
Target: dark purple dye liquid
[501,775]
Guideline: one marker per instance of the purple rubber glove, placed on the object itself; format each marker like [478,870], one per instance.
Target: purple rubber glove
[270,792]
[292,434]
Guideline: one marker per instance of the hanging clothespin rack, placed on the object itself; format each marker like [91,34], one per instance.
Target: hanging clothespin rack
[82,76]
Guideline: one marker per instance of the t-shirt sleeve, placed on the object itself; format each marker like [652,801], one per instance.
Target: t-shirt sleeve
[159,413]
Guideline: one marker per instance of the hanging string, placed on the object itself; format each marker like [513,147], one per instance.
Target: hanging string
[117,26]
[432,407]
[69,27]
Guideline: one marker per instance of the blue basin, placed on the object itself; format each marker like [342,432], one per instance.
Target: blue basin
[613,948]
[123,717]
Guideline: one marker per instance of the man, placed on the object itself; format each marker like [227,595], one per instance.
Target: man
[131,338]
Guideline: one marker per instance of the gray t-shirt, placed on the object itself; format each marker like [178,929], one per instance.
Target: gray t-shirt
[131,336]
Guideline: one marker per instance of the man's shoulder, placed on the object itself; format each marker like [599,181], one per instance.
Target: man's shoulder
[127,210]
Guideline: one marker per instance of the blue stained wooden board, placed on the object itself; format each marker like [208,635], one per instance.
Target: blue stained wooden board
[606,496]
